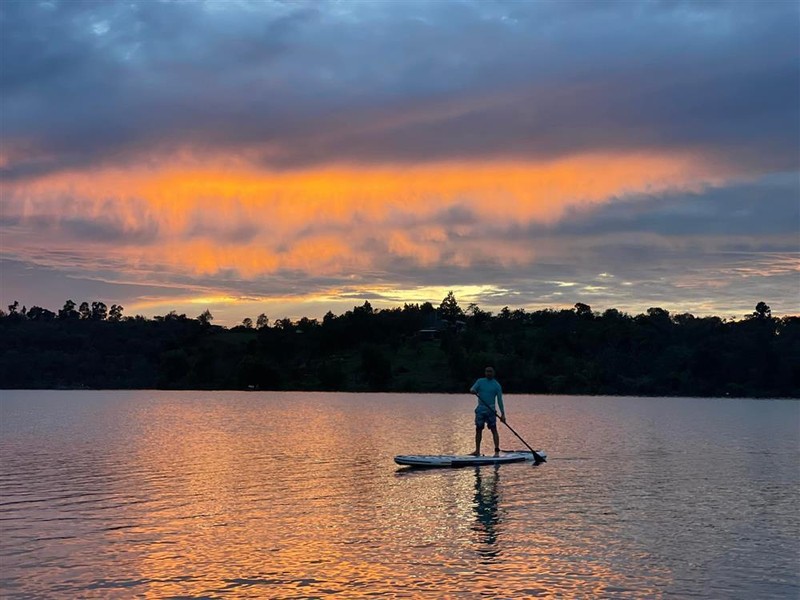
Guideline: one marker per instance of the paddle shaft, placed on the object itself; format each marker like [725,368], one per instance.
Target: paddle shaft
[538,458]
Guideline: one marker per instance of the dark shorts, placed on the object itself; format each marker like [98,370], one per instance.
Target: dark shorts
[486,418]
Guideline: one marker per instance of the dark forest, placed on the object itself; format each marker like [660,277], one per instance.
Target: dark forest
[416,348]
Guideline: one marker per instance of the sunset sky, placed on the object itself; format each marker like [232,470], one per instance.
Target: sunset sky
[291,158]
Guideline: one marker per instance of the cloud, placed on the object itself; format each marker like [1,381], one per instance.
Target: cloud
[297,85]
[766,207]
[324,222]
[331,239]
[317,152]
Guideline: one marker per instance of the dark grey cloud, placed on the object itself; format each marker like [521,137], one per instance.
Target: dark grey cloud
[81,230]
[32,284]
[71,218]
[769,206]
[87,83]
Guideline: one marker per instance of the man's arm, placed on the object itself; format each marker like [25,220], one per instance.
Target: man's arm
[500,403]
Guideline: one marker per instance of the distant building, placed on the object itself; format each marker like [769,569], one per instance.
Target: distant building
[435,326]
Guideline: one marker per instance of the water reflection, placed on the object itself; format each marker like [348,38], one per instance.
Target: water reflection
[140,494]
[487,515]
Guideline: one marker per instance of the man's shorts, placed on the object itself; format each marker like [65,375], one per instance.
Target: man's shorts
[482,417]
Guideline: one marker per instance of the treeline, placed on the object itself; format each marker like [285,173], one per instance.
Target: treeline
[416,348]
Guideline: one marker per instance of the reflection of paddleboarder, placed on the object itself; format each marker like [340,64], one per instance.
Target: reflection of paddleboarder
[486,512]
[487,389]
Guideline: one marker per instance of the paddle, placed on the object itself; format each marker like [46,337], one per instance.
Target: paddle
[537,458]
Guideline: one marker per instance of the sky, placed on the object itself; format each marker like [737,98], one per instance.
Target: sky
[295,158]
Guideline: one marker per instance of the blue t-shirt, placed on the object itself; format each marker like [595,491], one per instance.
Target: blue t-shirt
[488,390]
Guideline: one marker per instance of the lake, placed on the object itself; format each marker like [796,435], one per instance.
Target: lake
[123,494]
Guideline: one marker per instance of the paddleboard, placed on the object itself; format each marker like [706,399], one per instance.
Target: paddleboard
[462,460]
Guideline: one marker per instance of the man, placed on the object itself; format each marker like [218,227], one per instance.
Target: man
[487,389]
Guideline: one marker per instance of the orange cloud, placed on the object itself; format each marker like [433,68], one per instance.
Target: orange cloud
[210,217]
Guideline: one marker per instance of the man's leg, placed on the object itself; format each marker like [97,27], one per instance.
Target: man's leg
[478,437]
[496,437]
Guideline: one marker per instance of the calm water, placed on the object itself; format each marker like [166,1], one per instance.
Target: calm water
[289,495]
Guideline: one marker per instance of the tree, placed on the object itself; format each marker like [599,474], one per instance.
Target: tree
[284,324]
[476,315]
[247,322]
[173,316]
[68,311]
[657,313]
[763,311]
[376,366]
[449,310]
[37,313]
[12,308]
[99,311]
[173,367]
[115,313]
[262,321]
[306,324]
[613,314]
[554,350]
[205,318]
[365,309]
[84,310]
[331,375]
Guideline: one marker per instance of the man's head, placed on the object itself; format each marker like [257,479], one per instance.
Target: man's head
[489,373]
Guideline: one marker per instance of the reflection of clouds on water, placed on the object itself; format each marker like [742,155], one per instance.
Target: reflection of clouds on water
[261,495]
[487,516]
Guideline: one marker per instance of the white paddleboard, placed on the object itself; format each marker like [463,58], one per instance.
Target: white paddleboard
[462,460]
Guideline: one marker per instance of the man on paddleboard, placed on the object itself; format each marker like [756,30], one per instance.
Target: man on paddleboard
[488,390]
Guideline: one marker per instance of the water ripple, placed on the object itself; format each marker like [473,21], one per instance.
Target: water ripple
[192,495]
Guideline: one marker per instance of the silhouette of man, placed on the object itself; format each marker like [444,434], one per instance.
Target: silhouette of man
[488,390]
